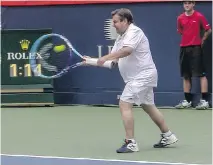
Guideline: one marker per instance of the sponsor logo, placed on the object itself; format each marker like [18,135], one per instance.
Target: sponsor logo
[24,44]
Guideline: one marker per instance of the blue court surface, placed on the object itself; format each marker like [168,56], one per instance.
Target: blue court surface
[50,160]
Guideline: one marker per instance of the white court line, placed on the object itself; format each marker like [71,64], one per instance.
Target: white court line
[107,160]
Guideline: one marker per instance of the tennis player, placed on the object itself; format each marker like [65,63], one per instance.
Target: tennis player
[139,73]
[189,25]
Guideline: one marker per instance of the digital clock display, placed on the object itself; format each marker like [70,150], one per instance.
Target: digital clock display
[15,56]
[24,71]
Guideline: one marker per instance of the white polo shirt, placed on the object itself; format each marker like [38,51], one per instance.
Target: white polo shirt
[139,65]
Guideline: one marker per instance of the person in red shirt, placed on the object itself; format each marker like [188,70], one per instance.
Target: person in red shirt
[190,25]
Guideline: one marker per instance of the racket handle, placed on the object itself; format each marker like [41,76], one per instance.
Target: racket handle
[93,61]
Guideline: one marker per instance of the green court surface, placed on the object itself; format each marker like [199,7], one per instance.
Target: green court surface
[96,132]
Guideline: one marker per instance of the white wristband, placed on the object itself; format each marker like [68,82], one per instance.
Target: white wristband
[93,62]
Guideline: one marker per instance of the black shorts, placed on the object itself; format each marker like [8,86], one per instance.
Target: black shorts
[191,62]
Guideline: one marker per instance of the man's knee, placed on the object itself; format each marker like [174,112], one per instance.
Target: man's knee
[124,105]
[187,78]
[203,77]
[148,107]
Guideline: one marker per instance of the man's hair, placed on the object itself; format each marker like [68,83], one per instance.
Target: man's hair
[123,14]
[192,1]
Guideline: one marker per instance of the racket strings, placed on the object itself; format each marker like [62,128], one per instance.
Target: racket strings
[52,62]
[45,55]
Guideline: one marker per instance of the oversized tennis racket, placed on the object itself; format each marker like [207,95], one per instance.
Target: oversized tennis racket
[53,55]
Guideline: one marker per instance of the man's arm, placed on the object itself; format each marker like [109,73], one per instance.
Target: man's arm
[124,52]
[179,27]
[132,39]
[206,26]
[206,34]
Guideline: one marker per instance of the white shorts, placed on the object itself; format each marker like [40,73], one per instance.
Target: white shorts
[136,93]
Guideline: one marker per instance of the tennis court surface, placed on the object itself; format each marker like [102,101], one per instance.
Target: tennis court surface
[86,135]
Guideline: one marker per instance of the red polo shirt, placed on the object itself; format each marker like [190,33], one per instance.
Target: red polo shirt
[190,28]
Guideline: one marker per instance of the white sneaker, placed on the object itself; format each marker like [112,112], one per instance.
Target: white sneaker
[203,105]
[165,141]
[184,104]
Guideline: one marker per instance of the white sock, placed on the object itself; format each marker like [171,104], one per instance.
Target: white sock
[166,134]
[132,140]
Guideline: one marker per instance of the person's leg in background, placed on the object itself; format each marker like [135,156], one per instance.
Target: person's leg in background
[204,88]
[186,74]
[187,86]
[148,105]
[199,71]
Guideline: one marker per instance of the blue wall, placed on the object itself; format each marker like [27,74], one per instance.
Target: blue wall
[83,25]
